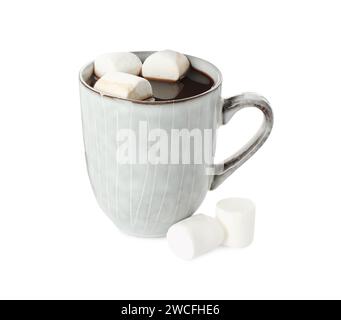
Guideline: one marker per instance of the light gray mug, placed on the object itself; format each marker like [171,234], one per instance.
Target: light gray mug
[145,199]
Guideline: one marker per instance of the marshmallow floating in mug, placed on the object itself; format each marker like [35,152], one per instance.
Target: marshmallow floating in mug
[233,227]
[124,85]
[166,65]
[166,90]
[117,61]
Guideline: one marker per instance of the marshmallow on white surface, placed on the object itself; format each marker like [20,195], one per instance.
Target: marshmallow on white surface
[124,85]
[166,65]
[117,61]
[237,216]
[194,236]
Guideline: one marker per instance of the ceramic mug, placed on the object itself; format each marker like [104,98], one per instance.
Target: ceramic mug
[145,199]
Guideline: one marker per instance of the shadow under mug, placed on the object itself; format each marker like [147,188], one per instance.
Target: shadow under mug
[145,199]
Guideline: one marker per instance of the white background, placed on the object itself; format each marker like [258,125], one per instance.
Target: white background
[54,240]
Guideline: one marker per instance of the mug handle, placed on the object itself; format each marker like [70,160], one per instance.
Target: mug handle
[230,107]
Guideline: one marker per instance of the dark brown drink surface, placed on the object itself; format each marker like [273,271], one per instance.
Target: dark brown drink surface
[195,82]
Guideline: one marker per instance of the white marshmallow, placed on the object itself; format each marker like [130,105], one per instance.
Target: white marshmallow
[194,236]
[151,99]
[117,61]
[237,216]
[124,85]
[166,65]
[198,77]
[166,90]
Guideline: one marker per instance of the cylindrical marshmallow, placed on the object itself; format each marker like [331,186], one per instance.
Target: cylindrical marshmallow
[166,65]
[166,90]
[124,85]
[237,216]
[194,236]
[126,62]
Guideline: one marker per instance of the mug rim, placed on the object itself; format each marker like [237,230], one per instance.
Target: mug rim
[145,102]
